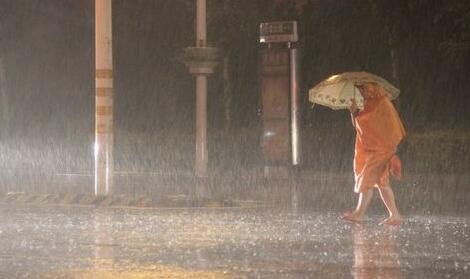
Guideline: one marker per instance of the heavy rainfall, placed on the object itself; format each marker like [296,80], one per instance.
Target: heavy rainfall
[167,143]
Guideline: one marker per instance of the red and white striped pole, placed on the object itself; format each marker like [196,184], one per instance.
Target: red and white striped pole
[104,98]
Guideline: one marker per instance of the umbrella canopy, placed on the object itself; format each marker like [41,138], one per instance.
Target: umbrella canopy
[337,91]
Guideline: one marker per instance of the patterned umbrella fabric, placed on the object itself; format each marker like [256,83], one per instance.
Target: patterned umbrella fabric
[337,91]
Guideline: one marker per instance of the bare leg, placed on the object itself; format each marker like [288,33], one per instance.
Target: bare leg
[361,208]
[388,199]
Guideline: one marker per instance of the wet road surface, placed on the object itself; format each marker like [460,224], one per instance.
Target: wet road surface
[84,242]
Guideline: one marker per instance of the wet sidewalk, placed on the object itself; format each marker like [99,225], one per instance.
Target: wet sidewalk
[84,242]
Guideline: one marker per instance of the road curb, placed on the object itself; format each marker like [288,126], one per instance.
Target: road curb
[121,201]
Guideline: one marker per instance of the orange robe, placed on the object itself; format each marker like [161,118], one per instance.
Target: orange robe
[379,130]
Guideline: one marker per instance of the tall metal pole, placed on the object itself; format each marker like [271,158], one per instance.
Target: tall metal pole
[201,95]
[104,98]
[295,107]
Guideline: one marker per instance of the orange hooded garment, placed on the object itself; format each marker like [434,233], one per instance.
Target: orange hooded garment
[379,130]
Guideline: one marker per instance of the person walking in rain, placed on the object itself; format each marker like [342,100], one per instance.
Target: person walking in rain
[379,130]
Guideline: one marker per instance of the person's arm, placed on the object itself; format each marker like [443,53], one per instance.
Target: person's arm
[353,108]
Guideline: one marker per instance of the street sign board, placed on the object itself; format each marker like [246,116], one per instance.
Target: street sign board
[278,32]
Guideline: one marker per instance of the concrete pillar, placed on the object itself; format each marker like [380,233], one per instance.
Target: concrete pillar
[104,98]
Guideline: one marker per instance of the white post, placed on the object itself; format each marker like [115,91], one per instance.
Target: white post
[201,33]
[201,95]
[201,125]
[104,98]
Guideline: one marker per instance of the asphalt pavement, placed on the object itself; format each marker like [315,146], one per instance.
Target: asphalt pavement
[88,242]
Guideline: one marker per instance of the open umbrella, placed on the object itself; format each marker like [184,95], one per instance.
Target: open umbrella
[337,91]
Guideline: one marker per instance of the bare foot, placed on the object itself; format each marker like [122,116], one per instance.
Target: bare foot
[392,221]
[352,217]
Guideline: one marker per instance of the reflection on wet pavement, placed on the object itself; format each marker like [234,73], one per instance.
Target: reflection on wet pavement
[376,255]
[61,242]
